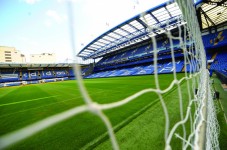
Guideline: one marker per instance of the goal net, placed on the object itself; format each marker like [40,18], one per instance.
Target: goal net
[197,127]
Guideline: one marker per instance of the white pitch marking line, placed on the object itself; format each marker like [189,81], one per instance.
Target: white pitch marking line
[36,99]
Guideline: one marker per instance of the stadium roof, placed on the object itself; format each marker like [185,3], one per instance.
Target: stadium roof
[166,16]
[212,13]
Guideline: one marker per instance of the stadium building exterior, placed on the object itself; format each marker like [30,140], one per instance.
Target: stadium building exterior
[29,73]
[10,54]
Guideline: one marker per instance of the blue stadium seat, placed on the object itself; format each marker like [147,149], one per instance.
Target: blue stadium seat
[8,76]
[220,62]
[47,74]
[60,73]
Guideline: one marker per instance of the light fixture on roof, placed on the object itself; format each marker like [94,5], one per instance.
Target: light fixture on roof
[219,13]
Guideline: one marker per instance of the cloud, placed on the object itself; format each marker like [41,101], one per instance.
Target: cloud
[55,16]
[48,23]
[31,2]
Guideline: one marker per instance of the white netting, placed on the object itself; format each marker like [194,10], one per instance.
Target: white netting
[205,119]
[212,131]
[203,123]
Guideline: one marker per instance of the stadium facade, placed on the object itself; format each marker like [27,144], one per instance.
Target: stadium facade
[10,54]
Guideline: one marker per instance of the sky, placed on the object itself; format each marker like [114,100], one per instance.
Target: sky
[42,26]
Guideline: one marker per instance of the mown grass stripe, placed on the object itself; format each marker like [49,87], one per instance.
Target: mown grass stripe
[79,97]
[37,107]
[102,138]
[36,99]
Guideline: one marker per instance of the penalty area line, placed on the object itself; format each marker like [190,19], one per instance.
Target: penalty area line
[27,101]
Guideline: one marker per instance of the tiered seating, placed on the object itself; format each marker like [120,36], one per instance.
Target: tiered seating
[33,75]
[168,67]
[191,68]
[71,73]
[9,77]
[209,56]
[217,42]
[220,63]
[215,39]
[224,71]
[137,61]
[143,51]
[47,74]
[60,73]
[84,70]
[129,71]
[165,55]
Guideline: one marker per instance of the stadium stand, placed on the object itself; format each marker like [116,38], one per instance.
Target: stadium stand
[138,60]
[216,51]
[20,74]
[215,40]
[219,65]
[222,75]
[8,75]
[220,62]
[47,74]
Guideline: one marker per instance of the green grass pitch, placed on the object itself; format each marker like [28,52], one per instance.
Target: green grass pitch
[137,125]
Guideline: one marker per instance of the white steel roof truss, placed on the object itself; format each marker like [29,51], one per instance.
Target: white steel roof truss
[121,32]
[109,38]
[114,35]
[136,24]
[128,28]
[104,41]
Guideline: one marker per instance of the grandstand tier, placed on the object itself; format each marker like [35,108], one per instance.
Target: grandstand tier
[14,75]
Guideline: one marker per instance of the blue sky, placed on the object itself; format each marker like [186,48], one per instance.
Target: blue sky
[37,26]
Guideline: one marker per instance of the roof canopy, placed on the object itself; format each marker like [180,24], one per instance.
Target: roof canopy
[212,13]
[164,17]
